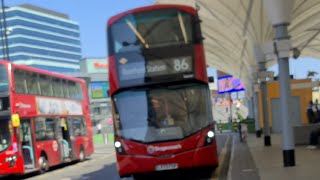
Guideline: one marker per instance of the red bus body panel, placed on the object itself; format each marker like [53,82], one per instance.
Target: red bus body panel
[5,168]
[191,154]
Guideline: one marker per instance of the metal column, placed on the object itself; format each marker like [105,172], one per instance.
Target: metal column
[265,112]
[251,108]
[256,114]
[281,33]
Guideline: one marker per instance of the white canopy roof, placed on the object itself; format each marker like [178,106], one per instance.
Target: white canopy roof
[233,27]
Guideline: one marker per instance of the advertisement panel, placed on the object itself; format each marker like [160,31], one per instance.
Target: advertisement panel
[228,84]
[97,65]
[99,90]
[50,106]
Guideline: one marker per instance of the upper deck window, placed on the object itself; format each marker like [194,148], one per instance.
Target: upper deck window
[159,28]
[4,84]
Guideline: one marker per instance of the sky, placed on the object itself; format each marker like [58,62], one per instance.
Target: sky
[92,16]
[300,67]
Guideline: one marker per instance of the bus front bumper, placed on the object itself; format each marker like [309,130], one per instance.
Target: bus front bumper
[200,157]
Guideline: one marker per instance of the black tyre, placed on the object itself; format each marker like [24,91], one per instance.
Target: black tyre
[43,164]
[82,155]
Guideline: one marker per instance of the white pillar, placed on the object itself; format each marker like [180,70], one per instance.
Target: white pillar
[279,12]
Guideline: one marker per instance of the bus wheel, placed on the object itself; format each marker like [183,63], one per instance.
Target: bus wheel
[43,163]
[82,155]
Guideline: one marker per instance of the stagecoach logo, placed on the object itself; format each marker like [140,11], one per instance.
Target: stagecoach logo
[21,105]
[163,131]
[123,61]
[152,149]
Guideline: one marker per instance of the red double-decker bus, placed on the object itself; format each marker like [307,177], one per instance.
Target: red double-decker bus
[159,87]
[44,119]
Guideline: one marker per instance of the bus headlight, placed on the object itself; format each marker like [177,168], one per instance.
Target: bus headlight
[119,147]
[117,144]
[210,134]
[209,138]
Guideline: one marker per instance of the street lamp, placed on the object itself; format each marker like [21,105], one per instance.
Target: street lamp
[4,32]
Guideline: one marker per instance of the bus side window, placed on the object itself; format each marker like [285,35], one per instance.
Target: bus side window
[57,87]
[44,129]
[20,81]
[65,88]
[72,89]
[45,85]
[32,83]
[79,91]
[78,127]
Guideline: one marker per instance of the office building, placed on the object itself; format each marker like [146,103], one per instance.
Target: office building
[41,38]
[95,72]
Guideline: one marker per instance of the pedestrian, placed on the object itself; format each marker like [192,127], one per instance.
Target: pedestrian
[317,112]
[99,128]
[310,113]
[313,139]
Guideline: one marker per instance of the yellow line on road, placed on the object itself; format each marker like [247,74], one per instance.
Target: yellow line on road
[215,175]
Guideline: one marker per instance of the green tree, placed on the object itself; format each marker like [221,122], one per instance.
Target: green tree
[311,74]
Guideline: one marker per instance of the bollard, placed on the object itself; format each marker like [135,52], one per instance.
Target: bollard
[235,126]
[220,126]
[105,137]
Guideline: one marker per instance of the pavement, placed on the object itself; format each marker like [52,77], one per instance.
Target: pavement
[253,161]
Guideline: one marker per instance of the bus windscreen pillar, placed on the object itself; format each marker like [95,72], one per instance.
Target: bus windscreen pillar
[279,12]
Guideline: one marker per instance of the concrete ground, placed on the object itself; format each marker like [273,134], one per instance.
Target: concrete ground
[251,160]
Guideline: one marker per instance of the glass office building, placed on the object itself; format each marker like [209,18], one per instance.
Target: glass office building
[41,38]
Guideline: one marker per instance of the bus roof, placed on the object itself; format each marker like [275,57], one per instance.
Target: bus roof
[40,71]
[188,9]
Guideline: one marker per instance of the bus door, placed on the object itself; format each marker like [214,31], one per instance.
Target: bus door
[72,138]
[27,144]
[64,140]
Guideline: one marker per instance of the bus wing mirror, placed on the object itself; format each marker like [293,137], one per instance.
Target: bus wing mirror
[15,118]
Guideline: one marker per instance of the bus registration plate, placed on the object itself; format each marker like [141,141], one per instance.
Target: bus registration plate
[163,167]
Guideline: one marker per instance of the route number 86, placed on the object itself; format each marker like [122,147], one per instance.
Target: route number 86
[181,65]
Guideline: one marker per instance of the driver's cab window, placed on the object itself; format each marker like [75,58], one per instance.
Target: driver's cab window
[5,134]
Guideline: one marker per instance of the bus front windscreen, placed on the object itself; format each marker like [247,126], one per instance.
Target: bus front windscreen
[162,114]
[5,137]
[158,28]
[4,88]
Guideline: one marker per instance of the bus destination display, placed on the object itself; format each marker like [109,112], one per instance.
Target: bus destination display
[154,68]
